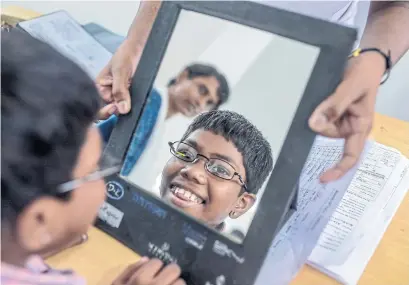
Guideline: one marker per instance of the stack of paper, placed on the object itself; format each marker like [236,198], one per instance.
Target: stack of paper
[338,225]
[358,224]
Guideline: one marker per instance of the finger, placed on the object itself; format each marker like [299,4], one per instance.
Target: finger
[127,273]
[104,75]
[179,282]
[358,119]
[332,108]
[106,111]
[168,275]
[146,273]
[105,81]
[353,147]
[341,128]
[120,92]
[331,131]
[105,92]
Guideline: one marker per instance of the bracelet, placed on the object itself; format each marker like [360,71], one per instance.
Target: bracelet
[387,57]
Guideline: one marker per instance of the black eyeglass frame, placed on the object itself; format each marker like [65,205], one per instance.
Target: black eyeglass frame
[173,152]
[94,176]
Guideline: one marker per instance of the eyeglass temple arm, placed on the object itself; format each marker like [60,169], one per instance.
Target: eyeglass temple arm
[241,181]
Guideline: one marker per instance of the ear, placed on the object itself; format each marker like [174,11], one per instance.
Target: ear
[41,224]
[243,204]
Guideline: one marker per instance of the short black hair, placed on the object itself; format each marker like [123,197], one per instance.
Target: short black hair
[47,105]
[255,149]
[205,70]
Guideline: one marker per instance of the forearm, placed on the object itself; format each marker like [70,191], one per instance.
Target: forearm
[387,28]
[142,24]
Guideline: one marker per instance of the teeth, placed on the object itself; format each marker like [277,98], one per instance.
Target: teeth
[186,194]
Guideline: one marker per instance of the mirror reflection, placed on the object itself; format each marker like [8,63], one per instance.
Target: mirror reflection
[216,118]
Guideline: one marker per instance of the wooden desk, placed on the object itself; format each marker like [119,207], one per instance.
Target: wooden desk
[102,258]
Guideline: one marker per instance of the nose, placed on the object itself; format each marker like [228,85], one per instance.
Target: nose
[195,172]
[201,103]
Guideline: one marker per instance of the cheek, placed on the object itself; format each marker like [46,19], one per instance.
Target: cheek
[172,167]
[185,89]
[90,196]
[100,194]
[222,197]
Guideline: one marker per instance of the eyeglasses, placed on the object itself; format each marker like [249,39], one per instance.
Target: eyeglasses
[216,166]
[99,174]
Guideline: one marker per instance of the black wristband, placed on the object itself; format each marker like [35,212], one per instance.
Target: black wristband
[387,57]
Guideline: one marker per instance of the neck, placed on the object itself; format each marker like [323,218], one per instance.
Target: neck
[11,253]
[172,109]
[171,112]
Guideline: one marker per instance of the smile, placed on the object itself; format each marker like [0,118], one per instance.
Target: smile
[184,198]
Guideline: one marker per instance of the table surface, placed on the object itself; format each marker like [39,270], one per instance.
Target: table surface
[102,258]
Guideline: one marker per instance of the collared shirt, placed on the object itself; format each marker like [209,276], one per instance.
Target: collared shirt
[37,272]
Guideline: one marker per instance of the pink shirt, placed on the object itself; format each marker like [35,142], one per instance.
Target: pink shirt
[37,272]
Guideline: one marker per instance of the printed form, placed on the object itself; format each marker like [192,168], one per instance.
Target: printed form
[348,262]
[333,219]
[362,201]
[298,237]
[68,37]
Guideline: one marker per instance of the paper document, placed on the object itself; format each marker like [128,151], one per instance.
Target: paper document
[62,32]
[352,267]
[294,243]
[361,202]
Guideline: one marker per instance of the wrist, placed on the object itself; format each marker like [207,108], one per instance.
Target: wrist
[371,65]
[132,46]
[377,62]
[132,51]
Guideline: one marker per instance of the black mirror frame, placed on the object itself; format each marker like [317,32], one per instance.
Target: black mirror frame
[151,227]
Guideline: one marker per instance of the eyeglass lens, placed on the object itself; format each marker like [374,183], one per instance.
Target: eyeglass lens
[215,166]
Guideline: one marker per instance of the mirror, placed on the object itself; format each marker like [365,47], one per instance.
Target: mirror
[212,63]
[277,66]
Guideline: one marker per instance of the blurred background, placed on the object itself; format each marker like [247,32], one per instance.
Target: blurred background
[393,98]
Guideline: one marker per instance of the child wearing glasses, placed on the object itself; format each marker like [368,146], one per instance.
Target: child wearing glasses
[51,188]
[218,167]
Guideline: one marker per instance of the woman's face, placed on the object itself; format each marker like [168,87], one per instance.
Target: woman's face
[192,96]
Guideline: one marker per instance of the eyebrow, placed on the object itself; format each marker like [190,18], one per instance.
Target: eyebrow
[213,155]
[192,143]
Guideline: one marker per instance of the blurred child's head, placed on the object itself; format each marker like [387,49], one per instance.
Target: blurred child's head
[48,105]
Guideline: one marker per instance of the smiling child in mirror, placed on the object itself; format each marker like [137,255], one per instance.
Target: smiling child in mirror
[217,168]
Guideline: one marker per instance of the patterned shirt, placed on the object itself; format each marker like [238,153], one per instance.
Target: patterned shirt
[37,272]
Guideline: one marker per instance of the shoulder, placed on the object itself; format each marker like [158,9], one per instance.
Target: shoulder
[37,272]
[325,10]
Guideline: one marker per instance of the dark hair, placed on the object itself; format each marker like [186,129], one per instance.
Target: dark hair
[204,70]
[255,149]
[47,106]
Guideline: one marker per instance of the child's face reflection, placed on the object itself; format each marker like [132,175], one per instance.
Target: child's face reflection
[202,195]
